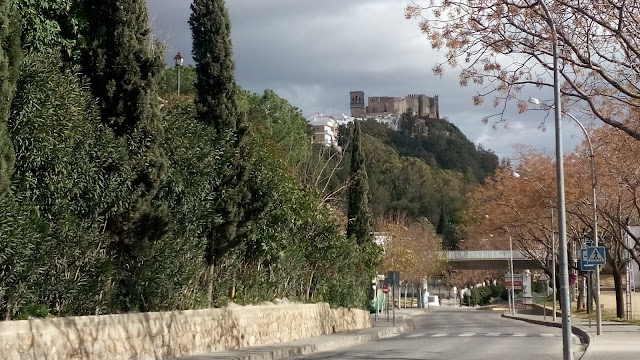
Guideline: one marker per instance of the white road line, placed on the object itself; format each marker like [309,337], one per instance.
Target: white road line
[439,335]
[388,336]
[415,335]
[493,334]
[467,334]
[547,335]
[519,335]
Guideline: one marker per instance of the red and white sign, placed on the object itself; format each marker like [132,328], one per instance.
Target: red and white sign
[385,289]
[517,281]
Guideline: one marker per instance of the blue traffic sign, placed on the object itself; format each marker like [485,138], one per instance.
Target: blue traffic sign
[584,265]
[594,255]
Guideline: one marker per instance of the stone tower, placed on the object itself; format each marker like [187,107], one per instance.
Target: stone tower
[358,108]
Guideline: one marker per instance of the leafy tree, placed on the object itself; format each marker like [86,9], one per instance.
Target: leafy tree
[217,106]
[75,173]
[359,225]
[52,24]
[596,55]
[9,58]
[411,247]
[275,118]
[123,64]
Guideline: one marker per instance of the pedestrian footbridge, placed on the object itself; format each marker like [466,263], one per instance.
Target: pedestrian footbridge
[495,259]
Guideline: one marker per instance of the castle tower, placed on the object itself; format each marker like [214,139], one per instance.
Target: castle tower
[356,104]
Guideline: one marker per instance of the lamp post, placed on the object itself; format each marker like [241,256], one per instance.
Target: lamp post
[513,284]
[594,207]
[562,221]
[553,266]
[178,59]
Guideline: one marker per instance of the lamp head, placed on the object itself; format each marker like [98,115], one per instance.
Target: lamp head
[178,59]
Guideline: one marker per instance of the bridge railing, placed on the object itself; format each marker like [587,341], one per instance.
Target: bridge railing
[461,255]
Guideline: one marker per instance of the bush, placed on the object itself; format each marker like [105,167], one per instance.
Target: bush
[75,174]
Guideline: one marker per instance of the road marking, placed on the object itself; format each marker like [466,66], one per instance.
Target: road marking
[467,334]
[494,334]
[388,336]
[519,334]
[439,335]
[547,335]
[415,335]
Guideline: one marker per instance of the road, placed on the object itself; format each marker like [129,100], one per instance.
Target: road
[461,333]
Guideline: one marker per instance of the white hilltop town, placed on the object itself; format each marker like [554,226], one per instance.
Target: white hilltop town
[384,109]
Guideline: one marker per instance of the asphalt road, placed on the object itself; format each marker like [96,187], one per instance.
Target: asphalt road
[460,333]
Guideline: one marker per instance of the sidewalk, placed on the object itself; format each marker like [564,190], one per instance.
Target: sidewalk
[380,329]
[618,340]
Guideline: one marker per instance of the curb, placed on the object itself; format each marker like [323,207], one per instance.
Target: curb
[582,335]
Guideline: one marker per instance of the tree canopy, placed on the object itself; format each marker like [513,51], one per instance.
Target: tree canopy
[597,62]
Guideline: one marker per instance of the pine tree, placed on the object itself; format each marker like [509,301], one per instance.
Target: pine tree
[9,58]
[217,106]
[359,224]
[123,64]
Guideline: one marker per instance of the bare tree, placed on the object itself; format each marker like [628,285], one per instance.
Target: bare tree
[505,46]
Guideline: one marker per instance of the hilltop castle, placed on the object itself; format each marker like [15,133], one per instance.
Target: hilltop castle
[381,106]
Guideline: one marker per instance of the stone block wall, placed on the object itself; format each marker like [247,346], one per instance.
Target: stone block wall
[171,334]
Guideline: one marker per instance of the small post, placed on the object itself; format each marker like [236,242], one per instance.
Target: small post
[393,303]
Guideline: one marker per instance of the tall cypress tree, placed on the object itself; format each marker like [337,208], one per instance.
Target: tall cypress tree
[216,105]
[213,53]
[123,64]
[360,223]
[9,58]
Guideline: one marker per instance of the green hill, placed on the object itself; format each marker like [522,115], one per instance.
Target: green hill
[421,171]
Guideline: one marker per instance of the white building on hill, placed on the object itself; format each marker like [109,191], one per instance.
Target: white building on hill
[325,127]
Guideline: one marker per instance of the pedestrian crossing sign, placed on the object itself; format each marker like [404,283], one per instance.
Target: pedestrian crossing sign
[594,255]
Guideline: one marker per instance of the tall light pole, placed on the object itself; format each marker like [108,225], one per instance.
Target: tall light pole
[562,221]
[594,207]
[513,284]
[553,265]
[178,59]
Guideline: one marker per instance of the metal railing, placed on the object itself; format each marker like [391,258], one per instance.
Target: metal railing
[490,255]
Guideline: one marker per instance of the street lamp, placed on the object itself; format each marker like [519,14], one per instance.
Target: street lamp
[594,209]
[562,221]
[178,59]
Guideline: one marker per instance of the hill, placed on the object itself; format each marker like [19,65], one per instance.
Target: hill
[422,171]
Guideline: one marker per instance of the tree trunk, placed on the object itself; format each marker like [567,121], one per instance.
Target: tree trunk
[313,273]
[210,291]
[617,280]
[580,304]
[232,292]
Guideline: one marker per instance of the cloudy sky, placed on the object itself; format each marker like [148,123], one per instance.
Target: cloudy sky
[314,52]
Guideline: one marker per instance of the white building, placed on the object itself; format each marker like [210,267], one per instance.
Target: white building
[324,129]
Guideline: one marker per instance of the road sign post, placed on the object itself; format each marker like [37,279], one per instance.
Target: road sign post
[393,279]
[591,258]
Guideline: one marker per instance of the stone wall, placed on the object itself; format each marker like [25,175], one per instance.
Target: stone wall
[171,334]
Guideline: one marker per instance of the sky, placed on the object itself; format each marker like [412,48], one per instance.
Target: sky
[314,52]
